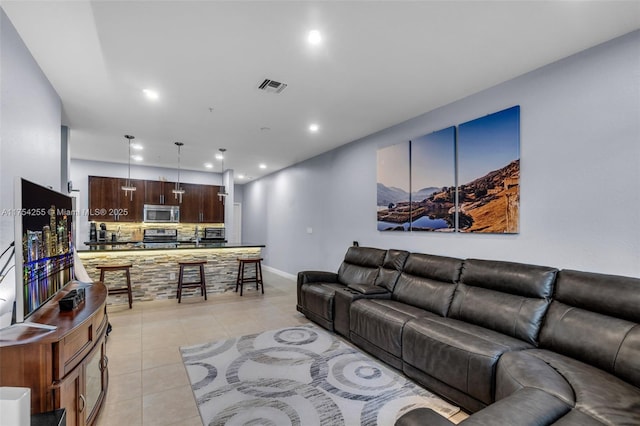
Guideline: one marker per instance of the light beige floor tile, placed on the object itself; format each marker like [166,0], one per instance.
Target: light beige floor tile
[123,363]
[168,407]
[159,339]
[159,357]
[118,345]
[207,335]
[163,378]
[124,387]
[121,413]
[193,421]
[246,327]
[119,332]
[458,417]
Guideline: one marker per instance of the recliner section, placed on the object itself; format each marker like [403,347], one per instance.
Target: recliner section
[513,343]
[497,307]
[378,325]
[316,289]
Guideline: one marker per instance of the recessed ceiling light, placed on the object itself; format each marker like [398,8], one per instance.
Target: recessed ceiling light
[263,166]
[314,128]
[136,157]
[240,176]
[151,94]
[136,146]
[208,165]
[314,37]
[219,156]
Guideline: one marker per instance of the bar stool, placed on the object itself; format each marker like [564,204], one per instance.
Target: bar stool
[240,280]
[121,290]
[200,283]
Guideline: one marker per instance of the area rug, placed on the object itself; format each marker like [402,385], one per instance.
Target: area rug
[298,376]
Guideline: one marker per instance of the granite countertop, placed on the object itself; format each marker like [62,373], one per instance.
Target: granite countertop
[180,245]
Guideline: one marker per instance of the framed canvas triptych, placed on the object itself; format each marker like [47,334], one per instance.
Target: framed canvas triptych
[464,178]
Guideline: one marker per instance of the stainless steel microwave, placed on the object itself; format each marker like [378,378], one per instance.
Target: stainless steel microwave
[161,214]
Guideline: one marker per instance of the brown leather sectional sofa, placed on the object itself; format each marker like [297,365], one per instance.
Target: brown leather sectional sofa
[513,343]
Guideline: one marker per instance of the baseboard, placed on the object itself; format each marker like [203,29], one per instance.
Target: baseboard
[279,272]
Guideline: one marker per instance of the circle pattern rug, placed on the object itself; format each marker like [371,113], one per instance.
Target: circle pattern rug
[302,376]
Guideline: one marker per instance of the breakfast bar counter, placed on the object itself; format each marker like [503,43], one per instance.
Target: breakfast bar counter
[154,271]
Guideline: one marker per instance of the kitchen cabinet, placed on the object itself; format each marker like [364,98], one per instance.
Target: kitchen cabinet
[66,368]
[159,193]
[212,205]
[191,207]
[201,204]
[108,202]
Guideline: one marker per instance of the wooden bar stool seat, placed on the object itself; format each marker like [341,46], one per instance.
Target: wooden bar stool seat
[200,283]
[119,290]
[240,280]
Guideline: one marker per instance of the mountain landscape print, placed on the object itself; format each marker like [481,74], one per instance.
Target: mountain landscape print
[394,188]
[464,178]
[489,173]
[433,174]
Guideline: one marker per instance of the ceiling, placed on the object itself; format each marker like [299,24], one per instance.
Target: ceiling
[380,63]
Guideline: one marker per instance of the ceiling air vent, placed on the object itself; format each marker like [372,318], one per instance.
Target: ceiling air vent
[272,86]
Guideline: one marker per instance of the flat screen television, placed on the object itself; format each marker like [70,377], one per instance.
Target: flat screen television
[43,245]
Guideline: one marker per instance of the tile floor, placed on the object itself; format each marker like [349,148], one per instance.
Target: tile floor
[148,384]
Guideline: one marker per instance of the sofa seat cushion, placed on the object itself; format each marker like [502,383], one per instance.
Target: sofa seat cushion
[598,394]
[380,322]
[318,298]
[460,354]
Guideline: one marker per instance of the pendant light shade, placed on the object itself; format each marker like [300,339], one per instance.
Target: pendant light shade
[178,191]
[127,187]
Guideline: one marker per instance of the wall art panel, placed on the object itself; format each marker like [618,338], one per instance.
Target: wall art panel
[394,188]
[488,150]
[433,181]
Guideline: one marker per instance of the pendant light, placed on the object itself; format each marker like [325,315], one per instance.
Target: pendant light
[222,194]
[178,191]
[127,187]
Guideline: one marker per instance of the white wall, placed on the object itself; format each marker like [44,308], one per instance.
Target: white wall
[580,177]
[30,123]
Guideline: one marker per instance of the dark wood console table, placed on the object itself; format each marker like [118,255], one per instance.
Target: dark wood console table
[67,367]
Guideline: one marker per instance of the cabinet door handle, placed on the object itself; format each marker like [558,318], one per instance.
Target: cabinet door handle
[84,403]
[104,363]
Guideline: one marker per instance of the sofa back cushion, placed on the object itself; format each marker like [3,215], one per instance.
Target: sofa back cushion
[390,270]
[510,298]
[595,319]
[360,265]
[428,282]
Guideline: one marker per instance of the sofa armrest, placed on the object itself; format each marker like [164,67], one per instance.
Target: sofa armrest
[368,289]
[526,407]
[310,277]
[422,417]
[306,277]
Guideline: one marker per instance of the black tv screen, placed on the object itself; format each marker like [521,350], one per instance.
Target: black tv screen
[44,245]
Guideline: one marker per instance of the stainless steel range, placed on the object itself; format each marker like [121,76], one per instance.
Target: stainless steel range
[213,234]
[160,235]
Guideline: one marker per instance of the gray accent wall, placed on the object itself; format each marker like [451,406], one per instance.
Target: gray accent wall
[30,124]
[580,177]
